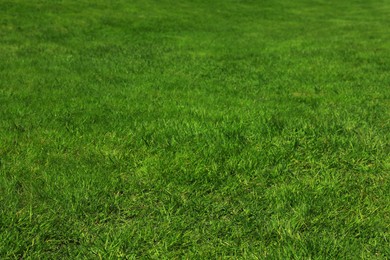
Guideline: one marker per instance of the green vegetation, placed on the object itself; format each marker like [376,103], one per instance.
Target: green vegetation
[195,129]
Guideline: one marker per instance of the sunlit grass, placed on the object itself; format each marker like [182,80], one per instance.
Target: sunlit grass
[242,129]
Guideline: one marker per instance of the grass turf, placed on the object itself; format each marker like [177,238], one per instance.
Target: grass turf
[194,129]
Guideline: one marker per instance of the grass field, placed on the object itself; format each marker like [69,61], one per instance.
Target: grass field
[195,129]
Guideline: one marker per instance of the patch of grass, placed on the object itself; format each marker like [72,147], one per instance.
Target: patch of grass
[163,129]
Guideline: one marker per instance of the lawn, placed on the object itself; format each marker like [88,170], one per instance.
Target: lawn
[255,129]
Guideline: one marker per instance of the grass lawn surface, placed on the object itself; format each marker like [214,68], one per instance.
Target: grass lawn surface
[195,129]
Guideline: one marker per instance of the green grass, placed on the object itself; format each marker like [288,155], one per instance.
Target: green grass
[195,129]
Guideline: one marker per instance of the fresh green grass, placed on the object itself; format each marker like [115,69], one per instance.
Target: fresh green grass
[195,129]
